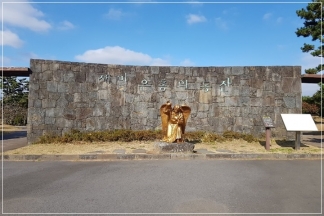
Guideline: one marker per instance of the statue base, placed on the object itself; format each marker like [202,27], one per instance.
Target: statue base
[174,147]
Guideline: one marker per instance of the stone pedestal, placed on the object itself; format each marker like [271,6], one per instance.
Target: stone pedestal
[174,147]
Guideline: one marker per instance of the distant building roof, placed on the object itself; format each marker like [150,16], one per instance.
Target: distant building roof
[15,71]
[312,78]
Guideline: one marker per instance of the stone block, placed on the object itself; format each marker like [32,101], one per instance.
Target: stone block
[42,94]
[256,102]
[51,86]
[45,66]
[82,113]
[219,99]
[50,112]
[46,76]
[257,83]
[68,76]
[231,101]
[286,71]
[174,147]
[54,96]
[49,120]
[188,71]
[58,76]
[80,77]
[205,97]
[286,84]
[62,87]
[69,114]
[268,86]
[154,69]
[290,102]
[203,107]
[98,111]
[269,101]
[297,71]
[33,86]
[237,70]
[48,103]
[244,101]
[76,67]
[64,123]
[37,103]
[54,66]
[62,102]
[276,77]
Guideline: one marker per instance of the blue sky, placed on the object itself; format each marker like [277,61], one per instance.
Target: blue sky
[177,34]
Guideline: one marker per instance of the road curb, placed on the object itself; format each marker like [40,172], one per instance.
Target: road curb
[172,156]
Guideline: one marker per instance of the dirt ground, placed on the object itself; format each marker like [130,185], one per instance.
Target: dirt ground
[234,146]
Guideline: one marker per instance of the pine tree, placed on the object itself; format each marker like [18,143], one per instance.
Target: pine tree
[15,100]
[312,27]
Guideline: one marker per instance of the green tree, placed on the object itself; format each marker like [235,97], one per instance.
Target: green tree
[314,104]
[318,98]
[15,91]
[312,27]
[15,100]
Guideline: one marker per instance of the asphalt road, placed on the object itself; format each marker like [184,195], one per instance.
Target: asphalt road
[15,139]
[163,186]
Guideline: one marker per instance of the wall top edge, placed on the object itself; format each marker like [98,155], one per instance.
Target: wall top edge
[33,61]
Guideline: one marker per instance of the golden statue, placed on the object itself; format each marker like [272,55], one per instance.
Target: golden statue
[174,122]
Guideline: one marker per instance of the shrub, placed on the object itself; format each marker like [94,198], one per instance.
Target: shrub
[194,136]
[143,135]
[230,135]
[310,108]
[211,137]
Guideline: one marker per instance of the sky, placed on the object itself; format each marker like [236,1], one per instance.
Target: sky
[187,33]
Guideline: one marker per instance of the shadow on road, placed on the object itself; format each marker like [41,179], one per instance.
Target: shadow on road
[14,135]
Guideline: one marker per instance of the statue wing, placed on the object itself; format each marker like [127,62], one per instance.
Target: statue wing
[186,110]
[165,115]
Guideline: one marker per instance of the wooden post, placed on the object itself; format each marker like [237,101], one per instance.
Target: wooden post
[297,140]
[268,138]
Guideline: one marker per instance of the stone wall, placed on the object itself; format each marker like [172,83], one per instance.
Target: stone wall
[70,95]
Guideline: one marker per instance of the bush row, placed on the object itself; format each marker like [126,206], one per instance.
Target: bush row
[144,135]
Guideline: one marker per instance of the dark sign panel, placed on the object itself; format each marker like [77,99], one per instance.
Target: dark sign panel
[267,121]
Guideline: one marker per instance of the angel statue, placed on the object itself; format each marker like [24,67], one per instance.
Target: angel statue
[174,122]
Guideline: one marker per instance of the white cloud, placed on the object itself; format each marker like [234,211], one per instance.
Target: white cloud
[267,16]
[24,15]
[193,18]
[115,14]
[309,89]
[120,55]
[65,25]
[309,61]
[26,56]
[11,39]
[187,62]
[279,20]
[220,23]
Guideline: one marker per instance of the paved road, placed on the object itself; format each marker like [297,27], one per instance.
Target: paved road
[14,140]
[163,186]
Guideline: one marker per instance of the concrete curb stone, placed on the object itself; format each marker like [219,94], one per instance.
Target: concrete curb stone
[174,156]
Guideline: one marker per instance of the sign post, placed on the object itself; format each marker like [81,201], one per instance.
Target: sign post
[298,123]
[268,123]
